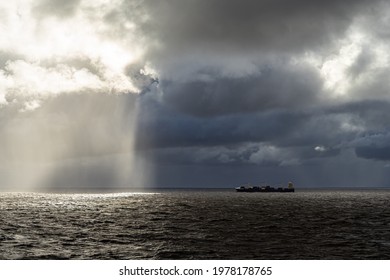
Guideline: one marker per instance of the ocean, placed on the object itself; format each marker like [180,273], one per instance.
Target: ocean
[197,224]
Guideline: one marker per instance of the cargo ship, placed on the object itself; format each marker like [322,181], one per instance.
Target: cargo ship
[290,188]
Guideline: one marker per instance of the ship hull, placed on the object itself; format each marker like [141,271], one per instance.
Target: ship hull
[267,190]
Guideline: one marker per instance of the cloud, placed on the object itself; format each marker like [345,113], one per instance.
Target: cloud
[32,79]
[281,86]
[57,8]
[270,88]
[54,47]
[160,126]
[373,145]
[251,25]
[376,153]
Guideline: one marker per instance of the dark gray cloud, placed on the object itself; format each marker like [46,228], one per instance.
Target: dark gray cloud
[362,63]
[269,88]
[248,154]
[160,126]
[274,139]
[250,25]
[342,171]
[257,97]
[330,126]
[376,153]
[375,23]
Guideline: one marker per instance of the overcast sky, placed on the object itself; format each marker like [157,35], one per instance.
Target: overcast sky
[185,93]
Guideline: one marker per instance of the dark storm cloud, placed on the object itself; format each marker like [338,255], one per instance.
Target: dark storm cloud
[374,142]
[376,153]
[250,24]
[271,137]
[332,126]
[268,88]
[276,137]
[160,126]
[239,155]
[375,113]
[263,97]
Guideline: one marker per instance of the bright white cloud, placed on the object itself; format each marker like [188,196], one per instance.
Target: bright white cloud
[37,49]
[320,149]
[31,79]
[357,61]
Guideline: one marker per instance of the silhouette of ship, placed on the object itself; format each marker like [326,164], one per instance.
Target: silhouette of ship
[290,188]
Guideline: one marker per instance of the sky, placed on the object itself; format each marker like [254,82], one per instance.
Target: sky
[185,93]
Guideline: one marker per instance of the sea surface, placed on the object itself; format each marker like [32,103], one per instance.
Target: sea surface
[196,224]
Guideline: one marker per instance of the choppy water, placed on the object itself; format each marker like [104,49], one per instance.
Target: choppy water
[196,225]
